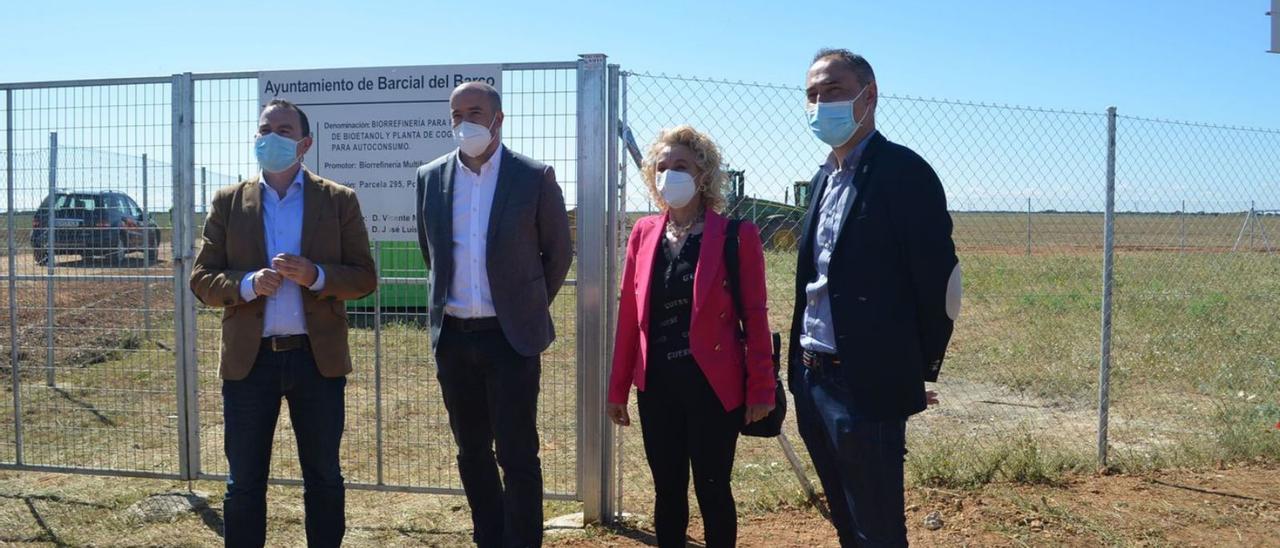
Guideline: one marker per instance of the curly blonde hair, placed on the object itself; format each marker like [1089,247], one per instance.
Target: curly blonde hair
[706,156]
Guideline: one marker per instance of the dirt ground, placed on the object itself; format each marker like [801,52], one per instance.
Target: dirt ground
[1232,506]
[1238,506]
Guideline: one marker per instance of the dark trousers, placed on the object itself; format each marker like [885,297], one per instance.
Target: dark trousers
[491,393]
[859,461]
[251,407]
[683,423]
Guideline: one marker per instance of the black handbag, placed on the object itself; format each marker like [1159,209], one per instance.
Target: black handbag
[771,425]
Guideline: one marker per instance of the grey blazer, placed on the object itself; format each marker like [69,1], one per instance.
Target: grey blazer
[528,248]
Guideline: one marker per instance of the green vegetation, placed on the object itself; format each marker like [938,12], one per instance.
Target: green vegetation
[1195,372]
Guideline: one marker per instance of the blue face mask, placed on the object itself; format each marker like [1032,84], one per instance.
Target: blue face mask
[833,122]
[275,153]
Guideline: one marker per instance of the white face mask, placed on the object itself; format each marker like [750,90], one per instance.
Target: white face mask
[473,138]
[677,188]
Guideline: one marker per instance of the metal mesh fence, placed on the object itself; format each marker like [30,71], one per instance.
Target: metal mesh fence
[1195,366]
[91,278]
[768,145]
[1026,191]
[397,428]
[89,297]
[90,290]
[8,408]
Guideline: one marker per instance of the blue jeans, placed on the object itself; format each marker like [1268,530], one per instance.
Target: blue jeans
[859,460]
[251,407]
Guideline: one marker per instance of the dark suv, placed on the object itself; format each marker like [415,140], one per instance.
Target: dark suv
[94,224]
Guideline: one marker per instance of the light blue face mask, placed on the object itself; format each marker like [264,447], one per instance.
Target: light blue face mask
[275,153]
[833,123]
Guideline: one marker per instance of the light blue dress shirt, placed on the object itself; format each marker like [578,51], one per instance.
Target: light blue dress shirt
[817,334]
[282,225]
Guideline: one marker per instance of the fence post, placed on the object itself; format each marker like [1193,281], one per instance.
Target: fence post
[14,374]
[594,437]
[1108,250]
[620,227]
[1028,226]
[51,259]
[146,254]
[609,456]
[188,381]
[1182,228]
[377,359]
[1252,221]
[204,189]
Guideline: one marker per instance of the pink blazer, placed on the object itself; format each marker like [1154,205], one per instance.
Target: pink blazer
[737,375]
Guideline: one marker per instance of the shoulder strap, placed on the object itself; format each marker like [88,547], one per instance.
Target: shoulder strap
[731,264]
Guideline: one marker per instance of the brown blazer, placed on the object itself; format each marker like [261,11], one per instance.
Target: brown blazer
[333,237]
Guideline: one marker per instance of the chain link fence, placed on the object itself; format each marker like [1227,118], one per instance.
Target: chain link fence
[1195,351]
[1197,337]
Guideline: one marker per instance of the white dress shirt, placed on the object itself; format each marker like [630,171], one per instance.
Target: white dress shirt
[469,295]
[282,226]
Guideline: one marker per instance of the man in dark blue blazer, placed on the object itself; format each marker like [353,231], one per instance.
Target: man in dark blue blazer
[877,292]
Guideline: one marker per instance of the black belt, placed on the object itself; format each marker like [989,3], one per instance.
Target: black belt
[468,325]
[284,343]
[818,360]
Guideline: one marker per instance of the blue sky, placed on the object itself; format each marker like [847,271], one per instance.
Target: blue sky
[1188,60]
[1181,59]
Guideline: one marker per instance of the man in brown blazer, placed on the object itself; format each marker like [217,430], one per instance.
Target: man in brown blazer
[281,253]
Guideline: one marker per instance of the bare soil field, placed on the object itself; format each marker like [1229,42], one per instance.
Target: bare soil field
[1229,506]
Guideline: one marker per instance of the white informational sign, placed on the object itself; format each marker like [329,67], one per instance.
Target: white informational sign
[373,127]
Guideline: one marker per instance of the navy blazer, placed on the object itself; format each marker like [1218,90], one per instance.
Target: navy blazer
[888,281]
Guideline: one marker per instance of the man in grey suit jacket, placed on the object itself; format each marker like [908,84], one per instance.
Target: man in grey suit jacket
[494,232]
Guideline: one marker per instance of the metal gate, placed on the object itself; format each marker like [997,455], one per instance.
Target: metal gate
[112,362]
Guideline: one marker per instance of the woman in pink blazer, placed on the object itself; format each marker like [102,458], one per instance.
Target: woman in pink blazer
[681,342]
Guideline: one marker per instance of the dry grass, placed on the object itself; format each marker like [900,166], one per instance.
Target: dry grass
[1195,376]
